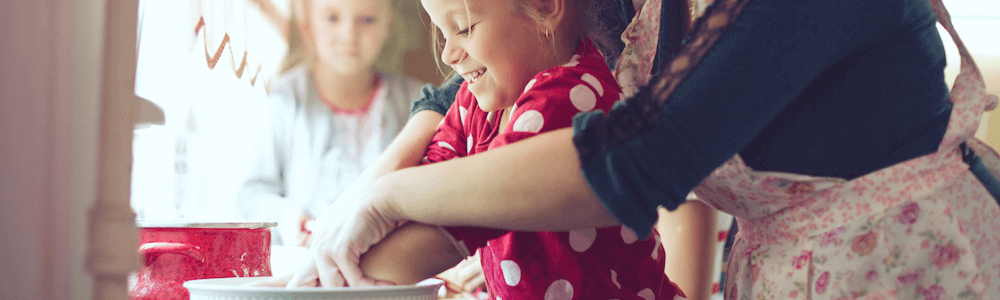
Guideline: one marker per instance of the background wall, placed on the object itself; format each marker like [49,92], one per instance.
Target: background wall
[48,131]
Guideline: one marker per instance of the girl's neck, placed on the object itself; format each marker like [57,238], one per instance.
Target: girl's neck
[345,91]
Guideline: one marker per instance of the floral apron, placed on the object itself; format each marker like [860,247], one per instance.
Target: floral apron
[926,228]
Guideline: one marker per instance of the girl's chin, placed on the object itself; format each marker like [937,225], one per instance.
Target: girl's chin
[491,103]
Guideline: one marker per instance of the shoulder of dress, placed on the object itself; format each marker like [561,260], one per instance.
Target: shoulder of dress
[403,82]
[292,87]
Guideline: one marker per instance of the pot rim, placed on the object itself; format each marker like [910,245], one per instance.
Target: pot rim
[174,224]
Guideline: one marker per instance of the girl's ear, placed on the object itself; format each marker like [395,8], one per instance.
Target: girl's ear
[552,12]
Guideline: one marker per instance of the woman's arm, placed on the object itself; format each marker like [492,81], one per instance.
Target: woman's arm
[539,180]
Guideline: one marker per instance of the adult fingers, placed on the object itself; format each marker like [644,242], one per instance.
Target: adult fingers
[304,276]
[307,240]
[329,272]
[349,267]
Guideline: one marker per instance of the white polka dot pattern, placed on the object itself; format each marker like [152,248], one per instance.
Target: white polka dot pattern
[647,294]
[529,85]
[628,236]
[511,272]
[468,145]
[529,121]
[581,240]
[583,97]
[446,145]
[614,279]
[573,61]
[461,113]
[656,249]
[593,82]
[559,290]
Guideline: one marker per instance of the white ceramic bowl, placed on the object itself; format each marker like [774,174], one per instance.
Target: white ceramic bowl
[233,289]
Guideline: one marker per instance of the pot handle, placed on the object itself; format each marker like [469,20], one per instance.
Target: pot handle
[151,251]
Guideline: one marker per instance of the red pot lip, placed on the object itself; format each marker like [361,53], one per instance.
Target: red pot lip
[223,225]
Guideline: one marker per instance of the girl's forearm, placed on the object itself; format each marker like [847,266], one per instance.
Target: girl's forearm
[407,148]
[532,185]
[409,254]
[688,236]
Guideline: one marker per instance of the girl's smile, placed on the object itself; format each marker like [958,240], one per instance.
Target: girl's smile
[473,77]
[493,45]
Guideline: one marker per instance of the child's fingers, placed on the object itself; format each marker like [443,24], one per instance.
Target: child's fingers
[309,225]
[475,282]
[329,273]
[468,272]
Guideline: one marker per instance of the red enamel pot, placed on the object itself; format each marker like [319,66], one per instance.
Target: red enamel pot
[173,253]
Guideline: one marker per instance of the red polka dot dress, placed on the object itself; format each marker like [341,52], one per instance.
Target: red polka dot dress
[597,263]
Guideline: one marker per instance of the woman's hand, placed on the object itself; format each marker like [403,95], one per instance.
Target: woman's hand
[345,231]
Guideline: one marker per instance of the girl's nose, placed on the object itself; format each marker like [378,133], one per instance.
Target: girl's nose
[451,54]
[349,31]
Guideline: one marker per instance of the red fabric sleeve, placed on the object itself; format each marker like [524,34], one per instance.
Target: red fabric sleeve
[549,102]
[448,142]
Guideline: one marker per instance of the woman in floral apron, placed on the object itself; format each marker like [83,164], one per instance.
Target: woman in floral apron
[926,228]
[899,200]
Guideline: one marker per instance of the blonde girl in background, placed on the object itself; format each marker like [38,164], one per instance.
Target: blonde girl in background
[332,112]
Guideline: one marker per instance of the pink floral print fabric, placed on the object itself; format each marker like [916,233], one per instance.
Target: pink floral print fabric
[922,229]
[635,66]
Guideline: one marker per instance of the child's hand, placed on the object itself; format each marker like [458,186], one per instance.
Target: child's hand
[469,274]
[296,231]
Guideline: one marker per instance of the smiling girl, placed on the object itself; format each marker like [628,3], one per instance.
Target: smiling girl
[529,67]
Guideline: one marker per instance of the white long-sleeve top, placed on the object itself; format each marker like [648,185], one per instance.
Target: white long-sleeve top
[310,152]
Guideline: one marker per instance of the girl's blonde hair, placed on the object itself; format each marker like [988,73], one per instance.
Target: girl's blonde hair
[390,59]
[587,19]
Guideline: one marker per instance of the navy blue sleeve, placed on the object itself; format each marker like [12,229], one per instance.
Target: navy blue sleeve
[437,99]
[763,62]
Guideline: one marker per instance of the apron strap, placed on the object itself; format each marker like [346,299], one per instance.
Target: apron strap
[970,85]
[968,93]
[945,19]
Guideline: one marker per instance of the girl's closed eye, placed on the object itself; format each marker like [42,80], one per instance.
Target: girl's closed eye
[367,20]
[465,32]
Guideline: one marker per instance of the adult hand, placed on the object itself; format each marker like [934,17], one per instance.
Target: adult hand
[347,229]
